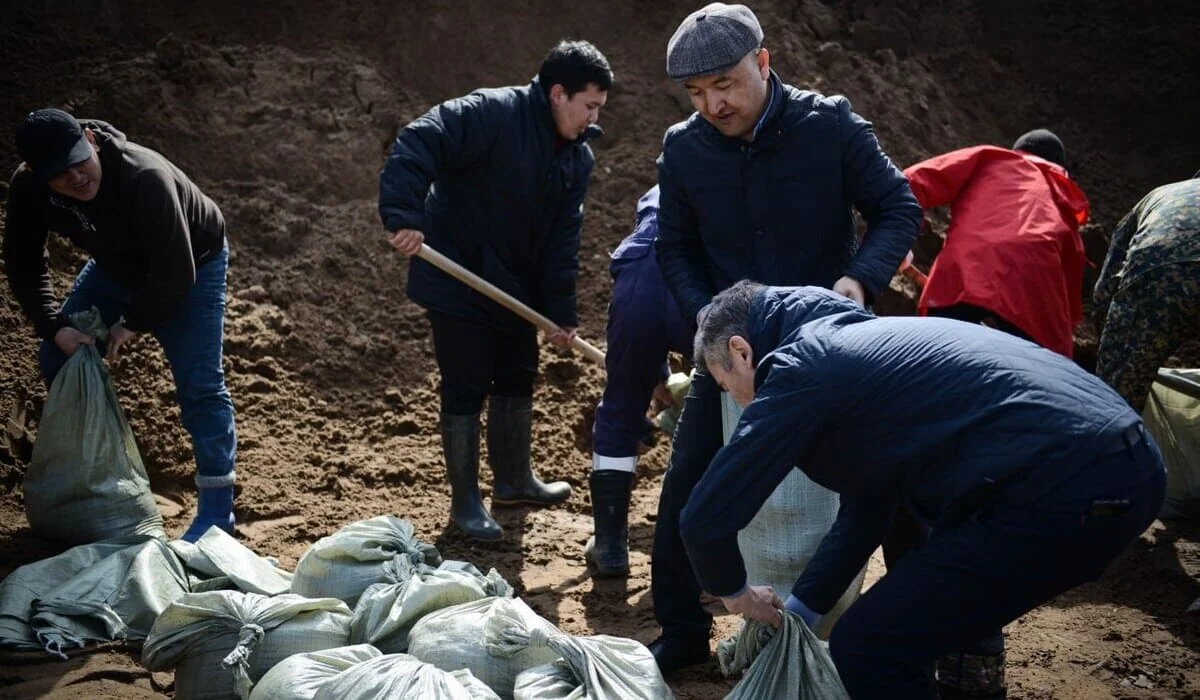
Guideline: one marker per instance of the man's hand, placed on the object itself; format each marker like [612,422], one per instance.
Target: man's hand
[408,241]
[851,289]
[757,603]
[118,335]
[68,340]
[562,337]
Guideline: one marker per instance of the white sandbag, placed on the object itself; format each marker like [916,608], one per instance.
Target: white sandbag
[1172,417]
[386,612]
[217,554]
[220,643]
[457,637]
[343,564]
[300,676]
[403,677]
[785,533]
[95,592]
[86,481]
[589,668]
[788,664]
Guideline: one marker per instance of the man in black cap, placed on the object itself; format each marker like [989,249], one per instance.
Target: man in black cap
[158,263]
[760,183]
[496,180]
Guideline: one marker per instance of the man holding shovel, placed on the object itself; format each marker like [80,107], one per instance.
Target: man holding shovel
[761,182]
[158,263]
[496,181]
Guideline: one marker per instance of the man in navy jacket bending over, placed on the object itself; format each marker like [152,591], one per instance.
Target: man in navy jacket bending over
[762,183]
[1033,473]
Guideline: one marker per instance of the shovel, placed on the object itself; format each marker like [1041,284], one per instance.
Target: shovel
[494,293]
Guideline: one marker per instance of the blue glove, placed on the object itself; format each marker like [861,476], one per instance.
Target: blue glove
[797,606]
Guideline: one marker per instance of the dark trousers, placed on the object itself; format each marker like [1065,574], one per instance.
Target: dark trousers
[477,361]
[972,578]
[644,324]
[975,314]
[673,585]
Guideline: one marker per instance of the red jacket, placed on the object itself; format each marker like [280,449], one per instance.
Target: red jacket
[1013,245]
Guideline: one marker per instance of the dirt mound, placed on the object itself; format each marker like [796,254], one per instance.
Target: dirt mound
[282,112]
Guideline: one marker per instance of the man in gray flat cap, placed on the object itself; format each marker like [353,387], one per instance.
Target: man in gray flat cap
[760,183]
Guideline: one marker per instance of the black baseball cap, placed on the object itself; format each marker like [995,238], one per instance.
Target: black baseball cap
[50,141]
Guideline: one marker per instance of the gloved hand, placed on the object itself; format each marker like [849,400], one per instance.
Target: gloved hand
[797,606]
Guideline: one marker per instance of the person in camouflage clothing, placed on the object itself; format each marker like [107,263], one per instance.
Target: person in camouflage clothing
[1145,299]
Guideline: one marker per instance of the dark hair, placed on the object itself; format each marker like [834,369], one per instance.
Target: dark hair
[574,64]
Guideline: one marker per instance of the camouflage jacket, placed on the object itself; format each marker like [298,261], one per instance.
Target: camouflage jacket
[1163,228]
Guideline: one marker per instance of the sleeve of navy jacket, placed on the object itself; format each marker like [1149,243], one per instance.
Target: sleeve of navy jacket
[679,251]
[881,194]
[560,261]
[450,135]
[772,436]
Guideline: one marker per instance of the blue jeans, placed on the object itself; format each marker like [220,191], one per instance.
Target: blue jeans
[191,339]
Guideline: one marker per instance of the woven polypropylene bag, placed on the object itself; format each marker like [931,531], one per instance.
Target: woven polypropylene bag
[221,642]
[386,612]
[785,664]
[785,533]
[345,563]
[589,668]
[86,481]
[300,676]
[403,677]
[1172,417]
[457,637]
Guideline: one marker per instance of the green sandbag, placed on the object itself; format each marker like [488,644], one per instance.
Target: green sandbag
[403,677]
[300,676]
[589,668]
[785,664]
[86,481]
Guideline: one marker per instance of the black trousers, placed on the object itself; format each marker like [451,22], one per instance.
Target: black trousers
[477,361]
[976,314]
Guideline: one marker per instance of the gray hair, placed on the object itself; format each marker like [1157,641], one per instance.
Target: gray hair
[728,315]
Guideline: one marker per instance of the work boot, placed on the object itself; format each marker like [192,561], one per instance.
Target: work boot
[672,652]
[460,447]
[510,429]
[608,549]
[976,673]
[215,508]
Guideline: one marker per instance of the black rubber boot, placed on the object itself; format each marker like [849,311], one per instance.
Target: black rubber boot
[509,435]
[607,551]
[975,673]
[460,446]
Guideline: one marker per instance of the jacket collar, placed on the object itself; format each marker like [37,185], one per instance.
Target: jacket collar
[541,105]
[776,104]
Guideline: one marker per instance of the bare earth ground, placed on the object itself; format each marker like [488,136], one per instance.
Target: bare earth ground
[281,112]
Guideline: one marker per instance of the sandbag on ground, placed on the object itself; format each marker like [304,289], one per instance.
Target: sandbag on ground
[386,612]
[589,668]
[217,555]
[785,664]
[403,677]
[343,564]
[86,481]
[299,676]
[41,580]
[1172,417]
[455,637]
[220,643]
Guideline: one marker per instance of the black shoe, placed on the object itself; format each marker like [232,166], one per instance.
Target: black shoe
[674,653]
[460,446]
[509,437]
[607,551]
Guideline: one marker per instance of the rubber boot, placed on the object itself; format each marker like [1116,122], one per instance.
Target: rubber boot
[510,430]
[607,551]
[460,446]
[976,673]
[215,508]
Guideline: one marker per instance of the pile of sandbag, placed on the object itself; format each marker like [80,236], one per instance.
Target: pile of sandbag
[345,563]
[85,485]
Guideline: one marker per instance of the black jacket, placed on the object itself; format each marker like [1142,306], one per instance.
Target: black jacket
[149,226]
[930,413]
[778,210]
[487,180]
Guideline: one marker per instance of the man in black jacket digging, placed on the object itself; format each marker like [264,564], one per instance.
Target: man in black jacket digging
[496,181]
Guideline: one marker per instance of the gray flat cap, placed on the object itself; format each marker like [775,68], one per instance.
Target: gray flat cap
[712,39]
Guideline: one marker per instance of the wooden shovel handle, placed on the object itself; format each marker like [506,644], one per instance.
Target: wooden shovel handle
[494,293]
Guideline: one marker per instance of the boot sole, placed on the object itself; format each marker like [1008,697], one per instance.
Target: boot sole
[525,502]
